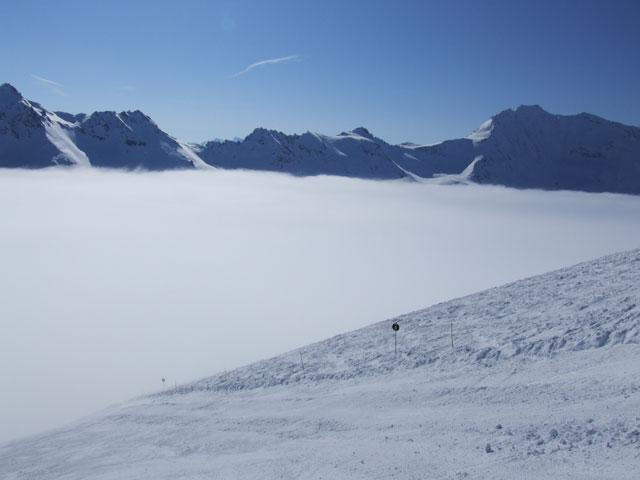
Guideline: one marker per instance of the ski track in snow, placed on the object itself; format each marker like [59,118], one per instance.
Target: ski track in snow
[543,382]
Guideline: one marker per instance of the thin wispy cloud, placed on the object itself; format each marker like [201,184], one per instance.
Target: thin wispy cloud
[270,61]
[55,87]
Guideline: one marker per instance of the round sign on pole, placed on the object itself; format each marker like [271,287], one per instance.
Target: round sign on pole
[395,327]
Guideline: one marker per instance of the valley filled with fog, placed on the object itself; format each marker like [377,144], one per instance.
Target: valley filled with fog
[111,281]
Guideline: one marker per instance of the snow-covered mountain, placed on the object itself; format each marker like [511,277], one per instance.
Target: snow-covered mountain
[32,137]
[131,140]
[531,148]
[354,154]
[539,378]
[526,147]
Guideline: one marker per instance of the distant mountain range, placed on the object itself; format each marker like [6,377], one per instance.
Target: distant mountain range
[525,148]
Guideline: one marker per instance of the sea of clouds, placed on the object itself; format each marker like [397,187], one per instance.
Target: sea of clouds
[110,281]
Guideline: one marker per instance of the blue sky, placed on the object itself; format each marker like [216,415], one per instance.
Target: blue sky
[421,71]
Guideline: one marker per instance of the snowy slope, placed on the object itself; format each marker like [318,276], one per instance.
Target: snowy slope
[542,381]
[32,137]
[354,154]
[131,140]
[531,148]
[528,147]
[447,158]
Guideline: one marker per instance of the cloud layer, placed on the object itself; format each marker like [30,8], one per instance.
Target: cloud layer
[112,281]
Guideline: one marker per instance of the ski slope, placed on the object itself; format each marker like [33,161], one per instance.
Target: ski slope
[542,381]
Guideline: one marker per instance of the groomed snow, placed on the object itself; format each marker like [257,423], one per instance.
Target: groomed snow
[542,381]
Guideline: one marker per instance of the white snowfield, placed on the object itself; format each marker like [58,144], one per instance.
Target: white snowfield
[542,382]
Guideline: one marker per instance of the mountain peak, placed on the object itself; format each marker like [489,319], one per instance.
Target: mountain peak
[258,131]
[136,115]
[531,110]
[522,113]
[360,131]
[363,132]
[9,94]
[261,134]
[7,88]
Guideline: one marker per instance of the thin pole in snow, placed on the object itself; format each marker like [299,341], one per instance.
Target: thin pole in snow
[451,331]
[163,384]
[301,361]
[395,327]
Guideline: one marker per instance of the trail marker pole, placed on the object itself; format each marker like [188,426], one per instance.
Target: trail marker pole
[301,361]
[395,327]
[163,384]
[451,332]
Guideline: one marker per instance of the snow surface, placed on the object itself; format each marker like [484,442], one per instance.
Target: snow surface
[32,137]
[61,138]
[531,148]
[542,381]
[131,140]
[483,132]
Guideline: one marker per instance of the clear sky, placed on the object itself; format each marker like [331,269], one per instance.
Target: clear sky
[421,71]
